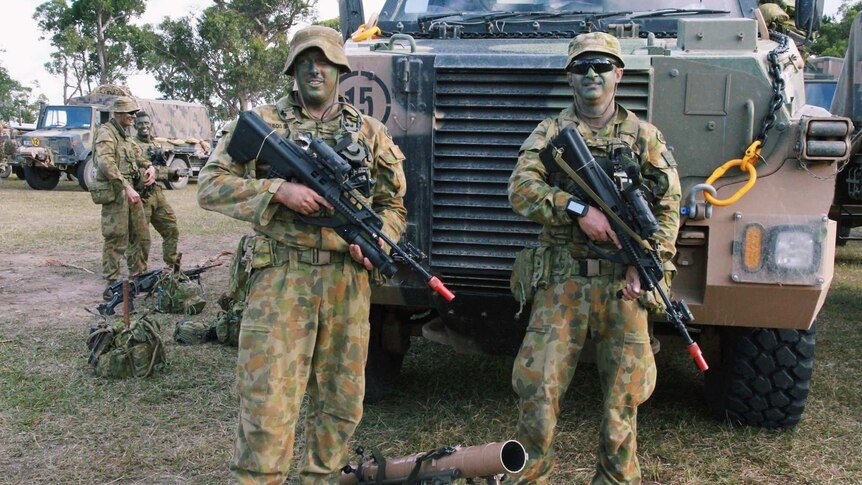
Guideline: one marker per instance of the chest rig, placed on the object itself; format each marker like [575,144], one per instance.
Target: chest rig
[615,154]
[346,138]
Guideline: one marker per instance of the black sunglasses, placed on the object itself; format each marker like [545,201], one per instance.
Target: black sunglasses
[600,66]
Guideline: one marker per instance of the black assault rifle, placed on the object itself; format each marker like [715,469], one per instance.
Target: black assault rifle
[321,169]
[143,283]
[630,217]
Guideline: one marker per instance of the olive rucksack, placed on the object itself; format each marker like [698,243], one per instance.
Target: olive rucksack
[119,352]
[177,293]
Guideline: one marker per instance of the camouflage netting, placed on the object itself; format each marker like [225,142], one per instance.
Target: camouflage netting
[113,89]
[119,352]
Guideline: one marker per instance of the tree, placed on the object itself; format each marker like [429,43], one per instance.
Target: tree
[229,59]
[92,40]
[833,35]
[15,100]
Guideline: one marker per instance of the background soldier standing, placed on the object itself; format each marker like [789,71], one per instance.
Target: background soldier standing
[156,208]
[119,166]
[577,293]
[306,325]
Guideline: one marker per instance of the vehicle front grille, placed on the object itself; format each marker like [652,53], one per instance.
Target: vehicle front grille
[62,148]
[481,119]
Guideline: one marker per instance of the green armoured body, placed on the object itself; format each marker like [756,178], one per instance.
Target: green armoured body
[305,327]
[571,303]
[157,210]
[124,225]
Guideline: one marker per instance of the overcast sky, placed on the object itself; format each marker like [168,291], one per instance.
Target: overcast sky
[24,55]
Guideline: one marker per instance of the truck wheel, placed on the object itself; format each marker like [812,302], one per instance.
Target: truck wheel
[86,173]
[763,377]
[18,171]
[7,171]
[178,163]
[41,178]
[383,366]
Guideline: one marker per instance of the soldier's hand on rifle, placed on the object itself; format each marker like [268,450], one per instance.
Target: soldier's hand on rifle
[356,254]
[132,194]
[300,199]
[596,226]
[632,290]
[150,175]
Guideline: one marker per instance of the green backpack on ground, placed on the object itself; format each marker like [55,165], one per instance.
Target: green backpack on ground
[228,322]
[189,332]
[177,293]
[119,352]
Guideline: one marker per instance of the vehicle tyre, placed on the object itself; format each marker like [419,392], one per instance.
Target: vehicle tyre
[763,377]
[178,163]
[842,234]
[383,366]
[86,173]
[41,178]
[7,171]
[18,171]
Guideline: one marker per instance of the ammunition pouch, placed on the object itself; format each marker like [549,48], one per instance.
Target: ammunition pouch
[228,321]
[103,192]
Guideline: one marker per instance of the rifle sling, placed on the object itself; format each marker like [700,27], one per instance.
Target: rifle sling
[558,157]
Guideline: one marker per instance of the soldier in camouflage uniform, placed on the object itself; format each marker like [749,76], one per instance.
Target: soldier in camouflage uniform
[119,167]
[576,291]
[156,208]
[305,327]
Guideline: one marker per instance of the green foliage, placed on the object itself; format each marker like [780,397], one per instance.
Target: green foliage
[16,101]
[229,59]
[834,33]
[92,40]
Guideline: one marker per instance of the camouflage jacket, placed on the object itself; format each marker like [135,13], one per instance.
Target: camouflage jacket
[117,156]
[240,191]
[163,173]
[534,197]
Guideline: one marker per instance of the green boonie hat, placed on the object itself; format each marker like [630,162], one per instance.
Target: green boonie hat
[595,42]
[324,38]
[124,104]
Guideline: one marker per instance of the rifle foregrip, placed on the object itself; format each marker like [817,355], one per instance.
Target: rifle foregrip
[697,355]
[378,258]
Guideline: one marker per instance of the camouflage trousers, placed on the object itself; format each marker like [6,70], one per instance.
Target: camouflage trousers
[163,218]
[561,316]
[305,328]
[123,227]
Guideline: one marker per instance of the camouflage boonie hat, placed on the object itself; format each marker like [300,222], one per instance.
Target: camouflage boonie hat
[125,105]
[595,42]
[324,38]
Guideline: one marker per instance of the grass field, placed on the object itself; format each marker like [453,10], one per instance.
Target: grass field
[60,424]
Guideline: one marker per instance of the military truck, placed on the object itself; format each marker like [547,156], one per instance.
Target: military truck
[460,85]
[63,139]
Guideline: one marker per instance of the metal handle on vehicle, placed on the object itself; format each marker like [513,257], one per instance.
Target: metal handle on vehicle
[390,46]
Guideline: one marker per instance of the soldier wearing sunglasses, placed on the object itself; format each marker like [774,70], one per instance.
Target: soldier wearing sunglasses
[575,291]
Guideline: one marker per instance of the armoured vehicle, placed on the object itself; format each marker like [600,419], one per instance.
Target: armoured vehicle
[460,84]
[63,139]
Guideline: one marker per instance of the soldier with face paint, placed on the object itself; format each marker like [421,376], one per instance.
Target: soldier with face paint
[576,292]
[157,210]
[305,326]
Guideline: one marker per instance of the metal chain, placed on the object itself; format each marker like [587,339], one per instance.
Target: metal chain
[777,84]
[838,168]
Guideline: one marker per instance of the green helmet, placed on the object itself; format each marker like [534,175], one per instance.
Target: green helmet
[324,38]
[125,104]
[595,42]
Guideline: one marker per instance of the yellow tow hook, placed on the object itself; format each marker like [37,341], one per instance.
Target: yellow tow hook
[745,164]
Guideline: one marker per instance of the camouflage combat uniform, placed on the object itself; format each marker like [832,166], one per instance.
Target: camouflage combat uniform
[158,212]
[123,223]
[305,327]
[574,303]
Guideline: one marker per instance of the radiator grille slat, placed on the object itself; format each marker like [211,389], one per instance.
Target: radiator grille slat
[481,119]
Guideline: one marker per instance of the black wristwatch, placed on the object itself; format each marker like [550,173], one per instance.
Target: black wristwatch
[576,208]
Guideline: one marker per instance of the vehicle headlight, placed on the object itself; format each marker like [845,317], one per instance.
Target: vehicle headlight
[794,250]
[784,249]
